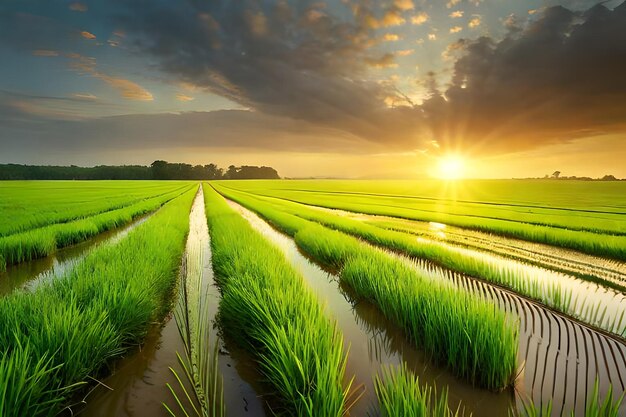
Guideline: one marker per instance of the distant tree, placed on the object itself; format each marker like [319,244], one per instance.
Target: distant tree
[232,172]
[556,174]
[213,172]
[159,170]
[609,178]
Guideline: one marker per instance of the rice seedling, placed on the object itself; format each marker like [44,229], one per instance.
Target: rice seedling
[400,395]
[94,313]
[467,333]
[267,309]
[41,242]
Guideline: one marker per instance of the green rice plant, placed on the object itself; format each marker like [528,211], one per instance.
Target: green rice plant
[595,407]
[200,363]
[22,377]
[465,332]
[41,242]
[516,278]
[27,205]
[400,395]
[267,309]
[76,324]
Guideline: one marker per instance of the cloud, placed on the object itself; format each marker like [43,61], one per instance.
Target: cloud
[559,78]
[314,71]
[84,96]
[392,17]
[87,35]
[127,89]
[45,52]
[404,4]
[391,37]
[256,22]
[456,14]
[385,61]
[78,7]
[552,77]
[474,22]
[420,18]
[451,3]
[184,97]
[405,52]
[169,132]
[456,29]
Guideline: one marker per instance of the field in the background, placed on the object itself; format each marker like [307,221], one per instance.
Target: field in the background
[39,217]
[25,205]
[586,216]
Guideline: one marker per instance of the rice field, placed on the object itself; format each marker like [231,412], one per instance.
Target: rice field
[312,298]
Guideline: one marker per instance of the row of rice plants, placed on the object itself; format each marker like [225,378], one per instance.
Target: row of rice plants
[56,339]
[600,244]
[41,242]
[27,205]
[470,335]
[400,395]
[518,279]
[267,309]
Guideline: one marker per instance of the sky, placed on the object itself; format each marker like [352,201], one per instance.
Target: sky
[335,88]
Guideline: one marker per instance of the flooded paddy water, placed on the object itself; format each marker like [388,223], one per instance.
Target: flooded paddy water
[559,358]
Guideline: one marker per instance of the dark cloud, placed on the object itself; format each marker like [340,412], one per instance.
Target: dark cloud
[289,59]
[27,127]
[559,78]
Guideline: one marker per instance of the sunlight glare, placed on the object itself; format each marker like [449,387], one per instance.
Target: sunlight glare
[451,167]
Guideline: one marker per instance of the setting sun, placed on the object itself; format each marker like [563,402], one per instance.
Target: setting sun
[451,167]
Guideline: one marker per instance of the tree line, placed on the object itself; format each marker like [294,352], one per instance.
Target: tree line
[158,170]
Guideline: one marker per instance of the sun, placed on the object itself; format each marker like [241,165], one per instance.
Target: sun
[451,167]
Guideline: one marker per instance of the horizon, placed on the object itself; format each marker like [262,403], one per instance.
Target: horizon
[562,176]
[402,89]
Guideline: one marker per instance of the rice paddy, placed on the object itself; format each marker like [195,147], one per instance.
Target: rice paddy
[312,298]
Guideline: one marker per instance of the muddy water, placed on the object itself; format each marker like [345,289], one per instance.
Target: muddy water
[373,341]
[29,274]
[591,302]
[137,386]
